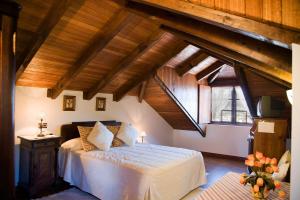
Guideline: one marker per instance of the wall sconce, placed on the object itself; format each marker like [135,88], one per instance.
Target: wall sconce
[143,134]
[41,125]
[289,94]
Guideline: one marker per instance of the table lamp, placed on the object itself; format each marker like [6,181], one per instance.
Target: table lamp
[143,134]
[41,125]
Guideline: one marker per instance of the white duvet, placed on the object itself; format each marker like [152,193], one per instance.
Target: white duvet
[142,172]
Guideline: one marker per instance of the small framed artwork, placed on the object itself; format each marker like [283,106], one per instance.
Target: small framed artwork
[100,104]
[69,103]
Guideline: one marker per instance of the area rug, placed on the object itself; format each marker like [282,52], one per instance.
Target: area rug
[74,194]
[70,194]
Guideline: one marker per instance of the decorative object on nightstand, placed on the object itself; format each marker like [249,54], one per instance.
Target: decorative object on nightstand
[143,135]
[100,104]
[38,163]
[42,125]
[69,103]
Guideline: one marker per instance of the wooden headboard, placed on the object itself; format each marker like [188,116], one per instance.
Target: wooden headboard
[70,131]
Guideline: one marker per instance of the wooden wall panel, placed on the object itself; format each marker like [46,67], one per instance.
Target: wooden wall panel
[291,13]
[254,9]
[285,12]
[272,11]
[222,5]
[184,88]
[237,6]
[204,104]
[166,107]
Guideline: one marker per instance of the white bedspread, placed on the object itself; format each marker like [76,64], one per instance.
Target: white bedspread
[143,172]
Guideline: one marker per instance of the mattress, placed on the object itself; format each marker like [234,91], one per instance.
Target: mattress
[142,172]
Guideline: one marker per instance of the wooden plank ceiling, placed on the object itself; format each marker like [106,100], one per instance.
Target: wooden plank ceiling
[116,46]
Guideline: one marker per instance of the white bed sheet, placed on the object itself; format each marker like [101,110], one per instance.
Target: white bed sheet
[143,172]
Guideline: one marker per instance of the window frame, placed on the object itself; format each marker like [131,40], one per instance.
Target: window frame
[233,110]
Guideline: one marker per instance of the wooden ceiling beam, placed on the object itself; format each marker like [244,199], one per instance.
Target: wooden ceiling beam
[247,46]
[270,72]
[143,90]
[271,33]
[99,42]
[240,75]
[124,89]
[191,62]
[57,10]
[125,63]
[209,70]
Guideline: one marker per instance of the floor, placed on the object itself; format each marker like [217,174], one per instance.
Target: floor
[215,167]
[218,167]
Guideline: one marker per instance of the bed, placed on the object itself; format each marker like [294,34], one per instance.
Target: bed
[142,172]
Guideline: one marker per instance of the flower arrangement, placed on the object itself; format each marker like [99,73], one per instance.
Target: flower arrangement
[260,179]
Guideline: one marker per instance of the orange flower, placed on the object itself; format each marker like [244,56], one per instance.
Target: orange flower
[281,194]
[250,157]
[277,184]
[260,182]
[259,155]
[256,188]
[257,164]
[249,163]
[269,170]
[268,160]
[275,168]
[274,161]
[262,160]
[242,180]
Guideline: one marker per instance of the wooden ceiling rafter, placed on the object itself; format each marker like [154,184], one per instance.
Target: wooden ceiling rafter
[272,73]
[54,15]
[266,32]
[214,75]
[263,52]
[142,90]
[209,70]
[240,75]
[124,89]
[191,62]
[113,27]
[140,50]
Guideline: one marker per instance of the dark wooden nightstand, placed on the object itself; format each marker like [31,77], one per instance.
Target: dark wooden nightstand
[38,163]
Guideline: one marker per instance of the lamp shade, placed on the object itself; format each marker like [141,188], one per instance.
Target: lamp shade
[289,94]
[143,134]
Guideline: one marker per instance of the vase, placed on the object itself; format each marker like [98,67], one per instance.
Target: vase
[260,195]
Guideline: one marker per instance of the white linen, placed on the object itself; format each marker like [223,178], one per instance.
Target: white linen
[142,172]
[101,137]
[128,134]
[73,144]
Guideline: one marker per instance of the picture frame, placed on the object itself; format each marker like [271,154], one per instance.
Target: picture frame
[100,104]
[69,103]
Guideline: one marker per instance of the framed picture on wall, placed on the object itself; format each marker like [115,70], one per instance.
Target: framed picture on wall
[69,103]
[100,104]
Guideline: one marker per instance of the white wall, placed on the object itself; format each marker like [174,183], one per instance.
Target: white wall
[295,166]
[30,102]
[220,139]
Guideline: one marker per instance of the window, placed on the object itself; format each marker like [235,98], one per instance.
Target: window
[229,106]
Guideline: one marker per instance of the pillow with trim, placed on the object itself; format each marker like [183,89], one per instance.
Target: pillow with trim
[100,137]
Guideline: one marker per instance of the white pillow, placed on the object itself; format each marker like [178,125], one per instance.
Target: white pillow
[282,172]
[73,144]
[283,166]
[128,134]
[285,158]
[101,137]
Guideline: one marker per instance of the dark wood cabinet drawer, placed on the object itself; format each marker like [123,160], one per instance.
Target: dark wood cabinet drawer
[48,143]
